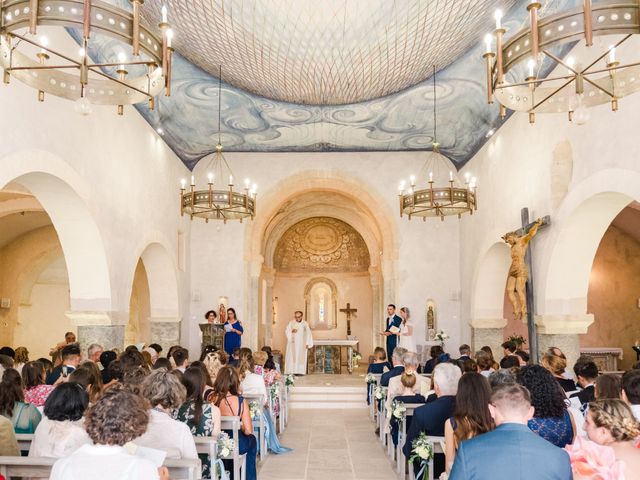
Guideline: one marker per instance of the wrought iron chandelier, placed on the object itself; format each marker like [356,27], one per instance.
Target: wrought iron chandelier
[27,55]
[444,195]
[586,83]
[214,204]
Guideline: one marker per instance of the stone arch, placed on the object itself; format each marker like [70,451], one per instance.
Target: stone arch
[63,196]
[570,248]
[307,295]
[487,297]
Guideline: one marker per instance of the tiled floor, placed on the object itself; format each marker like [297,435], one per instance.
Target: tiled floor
[329,445]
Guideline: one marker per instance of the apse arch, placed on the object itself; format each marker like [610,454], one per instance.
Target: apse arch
[487,300]
[570,249]
[162,279]
[62,194]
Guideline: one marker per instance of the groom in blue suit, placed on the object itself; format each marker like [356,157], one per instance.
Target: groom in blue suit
[511,451]
[393,320]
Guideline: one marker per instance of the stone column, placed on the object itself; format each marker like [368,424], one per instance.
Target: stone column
[488,331]
[104,328]
[165,331]
[562,331]
[252,302]
[377,308]
[269,276]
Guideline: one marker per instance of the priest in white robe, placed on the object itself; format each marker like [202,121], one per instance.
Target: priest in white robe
[299,340]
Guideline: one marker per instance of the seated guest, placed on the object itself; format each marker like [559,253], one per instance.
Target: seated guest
[22,357]
[228,399]
[117,418]
[105,360]
[608,385]
[9,352]
[631,391]
[133,378]
[485,362]
[181,358]
[419,386]
[469,365]
[8,443]
[202,418]
[510,361]
[509,348]
[156,347]
[214,361]
[93,352]
[208,387]
[271,363]
[70,355]
[552,421]
[162,362]
[47,364]
[24,417]
[153,355]
[207,350]
[234,357]
[611,422]
[431,417]
[115,373]
[90,378]
[586,373]
[434,352]
[465,352]
[251,383]
[165,393]
[407,395]
[398,367]
[500,377]
[487,349]
[380,363]
[61,431]
[36,390]
[523,357]
[557,365]
[511,451]
[131,358]
[471,416]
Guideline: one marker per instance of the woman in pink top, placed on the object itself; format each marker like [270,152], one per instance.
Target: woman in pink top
[35,389]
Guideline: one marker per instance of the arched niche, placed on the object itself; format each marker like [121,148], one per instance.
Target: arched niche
[320,299]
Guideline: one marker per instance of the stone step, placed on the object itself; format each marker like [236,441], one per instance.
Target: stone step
[325,396]
[329,389]
[327,405]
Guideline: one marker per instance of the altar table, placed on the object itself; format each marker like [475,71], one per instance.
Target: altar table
[317,358]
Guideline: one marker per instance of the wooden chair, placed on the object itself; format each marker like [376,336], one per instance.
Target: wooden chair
[402,437]
[437,444]
[11,467]
[208,446]
[372,401]
[24,441]
[258,425]
[239,461]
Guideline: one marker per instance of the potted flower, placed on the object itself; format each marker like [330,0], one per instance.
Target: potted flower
[441,337]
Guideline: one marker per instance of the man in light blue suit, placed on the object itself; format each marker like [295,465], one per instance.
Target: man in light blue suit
[511,451]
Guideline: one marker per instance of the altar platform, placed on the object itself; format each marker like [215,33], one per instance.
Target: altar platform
[330,391]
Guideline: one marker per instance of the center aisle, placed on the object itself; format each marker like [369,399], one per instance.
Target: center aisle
[335,444]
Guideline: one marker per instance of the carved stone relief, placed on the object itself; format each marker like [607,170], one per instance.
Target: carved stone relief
[321,244]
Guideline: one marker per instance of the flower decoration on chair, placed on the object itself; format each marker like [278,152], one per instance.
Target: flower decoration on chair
[398,410]
[380,393]
[596,77]
[141,70]
[290,380]
[254,410]
[212,204]
[444,195]
[370,379]
[422,452]
[226,444]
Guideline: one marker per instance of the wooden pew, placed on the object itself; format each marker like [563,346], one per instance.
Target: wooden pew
[208,446]
[438,447]
[41,467]
[258,424]
[402,436]
[239,461]
[371,388]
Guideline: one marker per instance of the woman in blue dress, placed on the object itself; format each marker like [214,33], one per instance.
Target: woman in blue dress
[233,332]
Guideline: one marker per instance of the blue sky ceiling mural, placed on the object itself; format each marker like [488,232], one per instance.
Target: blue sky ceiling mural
[395,113]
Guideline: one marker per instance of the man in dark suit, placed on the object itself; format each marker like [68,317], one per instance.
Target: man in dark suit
[431,417]
[511,451]
[465,352]
[398,367]
[586,373]
[393,329]
[70,360]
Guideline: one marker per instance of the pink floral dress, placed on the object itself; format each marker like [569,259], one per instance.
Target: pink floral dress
[38,395]
[271,377]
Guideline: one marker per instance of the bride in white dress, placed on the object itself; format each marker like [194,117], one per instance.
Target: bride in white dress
[406,339]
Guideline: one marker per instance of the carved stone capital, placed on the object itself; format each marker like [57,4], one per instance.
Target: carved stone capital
[96,318]
[562,324]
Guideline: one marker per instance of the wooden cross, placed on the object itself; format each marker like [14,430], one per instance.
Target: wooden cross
[349,311]
[531,326]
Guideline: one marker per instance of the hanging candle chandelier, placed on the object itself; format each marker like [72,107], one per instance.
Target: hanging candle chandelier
[209,203]
[444,194]
[596,76]
[28,55]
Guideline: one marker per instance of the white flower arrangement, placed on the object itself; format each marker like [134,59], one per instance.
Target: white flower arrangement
[441,337]
[370,378]
[422,451]
[380,393]
[356,356]
[273,391]
[254,410]
[290,380]
[225,444]
[398,410]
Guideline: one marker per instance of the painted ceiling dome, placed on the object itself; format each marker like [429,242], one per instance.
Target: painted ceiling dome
[328,52]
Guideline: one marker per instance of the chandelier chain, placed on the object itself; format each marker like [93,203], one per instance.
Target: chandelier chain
[219,100]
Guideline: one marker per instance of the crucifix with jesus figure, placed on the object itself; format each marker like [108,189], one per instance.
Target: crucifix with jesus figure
[348,311]
[520,279]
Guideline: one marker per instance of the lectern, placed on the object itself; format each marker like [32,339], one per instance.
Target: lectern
[212,334]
